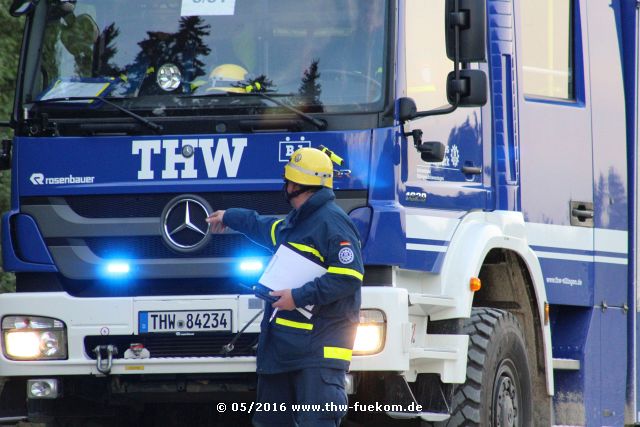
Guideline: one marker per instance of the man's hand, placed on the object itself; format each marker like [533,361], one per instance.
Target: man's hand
[285,302]
[215,220]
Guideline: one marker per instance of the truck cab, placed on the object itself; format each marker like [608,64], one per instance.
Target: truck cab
[488,160]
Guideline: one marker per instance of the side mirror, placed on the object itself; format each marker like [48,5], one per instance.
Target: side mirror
[407,109]
[472,88]
[432,151]
[471,19]
[21,7]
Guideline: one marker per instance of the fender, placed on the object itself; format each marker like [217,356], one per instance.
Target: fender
[476,235]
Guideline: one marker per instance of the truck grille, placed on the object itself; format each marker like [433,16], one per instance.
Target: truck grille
[83,233]
[169,345]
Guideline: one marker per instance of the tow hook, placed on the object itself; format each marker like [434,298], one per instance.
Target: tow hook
[104,366]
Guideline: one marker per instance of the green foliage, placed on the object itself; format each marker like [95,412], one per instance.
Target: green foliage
[11,37]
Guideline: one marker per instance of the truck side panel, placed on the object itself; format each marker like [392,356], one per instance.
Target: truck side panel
[629,29]
[610,213]
[575,144]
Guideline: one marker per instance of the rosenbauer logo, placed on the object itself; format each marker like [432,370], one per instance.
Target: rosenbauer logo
[40,179]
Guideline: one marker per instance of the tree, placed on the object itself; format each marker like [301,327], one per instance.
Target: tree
[310,88]
[186,46]
[10,40]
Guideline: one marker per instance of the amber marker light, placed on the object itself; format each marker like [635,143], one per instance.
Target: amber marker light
[546,313]
[475,284]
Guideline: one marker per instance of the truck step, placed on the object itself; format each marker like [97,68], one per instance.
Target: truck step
[433,353]
[427,304]
[442,354]
[425,416]
[431,300]
[566,364]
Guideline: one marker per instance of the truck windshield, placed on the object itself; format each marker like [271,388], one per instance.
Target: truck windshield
[326,55]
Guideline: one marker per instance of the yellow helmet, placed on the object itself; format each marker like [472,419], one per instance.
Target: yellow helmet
[226,77]
[309,166]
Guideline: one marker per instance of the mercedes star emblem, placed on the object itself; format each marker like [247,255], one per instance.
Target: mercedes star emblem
[183,223]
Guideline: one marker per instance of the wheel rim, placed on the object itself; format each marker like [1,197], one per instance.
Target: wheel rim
[506,396]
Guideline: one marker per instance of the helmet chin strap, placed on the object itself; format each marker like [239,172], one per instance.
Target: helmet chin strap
[289,196]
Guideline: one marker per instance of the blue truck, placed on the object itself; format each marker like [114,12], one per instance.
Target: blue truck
[490,165]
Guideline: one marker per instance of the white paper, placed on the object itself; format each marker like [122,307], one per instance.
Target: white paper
[75,89]
[290,270]
[208,7]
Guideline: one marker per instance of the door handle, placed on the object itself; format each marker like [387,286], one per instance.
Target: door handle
[582,214]
[471,170]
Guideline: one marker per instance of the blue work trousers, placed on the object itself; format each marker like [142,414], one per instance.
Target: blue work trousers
[311,397]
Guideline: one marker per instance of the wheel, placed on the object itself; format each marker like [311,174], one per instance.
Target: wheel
[498,391]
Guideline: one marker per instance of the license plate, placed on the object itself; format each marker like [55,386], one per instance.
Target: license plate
[182,321]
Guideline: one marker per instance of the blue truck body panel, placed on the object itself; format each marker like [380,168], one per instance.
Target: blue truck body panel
[115,165]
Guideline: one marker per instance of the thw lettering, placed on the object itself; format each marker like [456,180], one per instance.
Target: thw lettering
[213,154]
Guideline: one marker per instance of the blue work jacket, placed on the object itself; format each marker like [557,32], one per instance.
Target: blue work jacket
[320,229]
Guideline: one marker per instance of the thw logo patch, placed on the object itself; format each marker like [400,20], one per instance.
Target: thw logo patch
[346,255]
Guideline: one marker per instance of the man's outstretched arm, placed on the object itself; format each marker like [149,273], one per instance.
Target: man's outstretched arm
[261,229]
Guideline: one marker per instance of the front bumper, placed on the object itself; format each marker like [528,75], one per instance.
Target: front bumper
[118,316]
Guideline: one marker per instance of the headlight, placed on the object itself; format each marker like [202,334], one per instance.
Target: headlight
[43,389]
[34,338]
[371,333]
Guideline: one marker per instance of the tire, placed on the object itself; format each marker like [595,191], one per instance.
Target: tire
[498,391]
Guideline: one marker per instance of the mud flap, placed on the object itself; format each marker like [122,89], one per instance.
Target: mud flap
[399,394]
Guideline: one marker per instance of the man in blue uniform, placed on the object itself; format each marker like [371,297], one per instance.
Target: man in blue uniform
[300,360]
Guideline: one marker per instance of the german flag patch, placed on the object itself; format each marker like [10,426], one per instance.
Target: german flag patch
[345,243]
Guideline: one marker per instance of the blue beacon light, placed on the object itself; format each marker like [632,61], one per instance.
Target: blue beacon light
[118,268]
[251,266]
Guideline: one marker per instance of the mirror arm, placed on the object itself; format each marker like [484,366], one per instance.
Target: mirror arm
[441,111]
[416,134]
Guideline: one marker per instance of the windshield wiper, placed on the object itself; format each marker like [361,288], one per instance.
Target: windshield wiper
[151,125]
[318,123]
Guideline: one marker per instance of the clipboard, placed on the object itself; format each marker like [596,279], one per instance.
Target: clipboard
[290,269]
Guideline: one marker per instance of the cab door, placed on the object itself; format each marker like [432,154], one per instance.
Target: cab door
[554,112]
[462,181]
